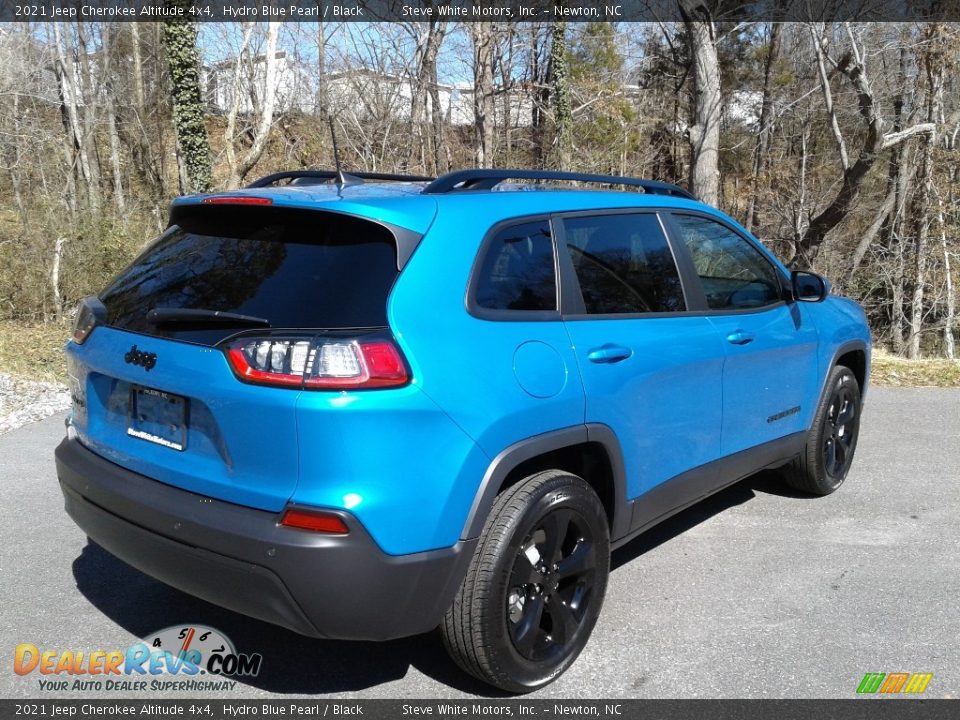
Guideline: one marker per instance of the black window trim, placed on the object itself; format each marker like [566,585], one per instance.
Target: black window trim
[569,296]
[688,265]
[484,313]
[575,308]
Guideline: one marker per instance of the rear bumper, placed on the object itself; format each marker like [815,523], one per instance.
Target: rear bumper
[333,586]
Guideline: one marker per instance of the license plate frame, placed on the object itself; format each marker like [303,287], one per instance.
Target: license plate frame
[158,417]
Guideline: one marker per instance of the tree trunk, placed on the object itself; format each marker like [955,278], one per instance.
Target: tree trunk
[438,141]
[704,133]
[111,113]
[14,167]
[323,102]
[425,107]
[896,247]
[55,278]
[236,86]
[482,34]
[763,131]
[949,346]
[560,95]
[138,93]
[263,112]
[896,184]
[540,80]
[933,61]
[70,87]
[189,113]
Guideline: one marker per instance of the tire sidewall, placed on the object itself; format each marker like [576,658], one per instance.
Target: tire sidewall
[840,377]
[564,491]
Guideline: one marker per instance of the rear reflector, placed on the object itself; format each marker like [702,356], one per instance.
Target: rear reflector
[236,200]
[315,520]
[319,363]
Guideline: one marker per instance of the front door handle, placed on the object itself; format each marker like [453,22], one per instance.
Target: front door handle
[609,353]
[740,337]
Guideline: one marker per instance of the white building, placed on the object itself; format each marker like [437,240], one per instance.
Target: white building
[294,88]
[359,92]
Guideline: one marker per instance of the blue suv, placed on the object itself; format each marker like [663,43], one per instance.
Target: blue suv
[367,406]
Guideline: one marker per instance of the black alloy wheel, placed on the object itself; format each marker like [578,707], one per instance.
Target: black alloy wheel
[551,586]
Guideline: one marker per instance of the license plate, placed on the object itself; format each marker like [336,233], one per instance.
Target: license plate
[158,417]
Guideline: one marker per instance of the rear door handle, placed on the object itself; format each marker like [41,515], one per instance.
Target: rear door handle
[609,353]
[740,337]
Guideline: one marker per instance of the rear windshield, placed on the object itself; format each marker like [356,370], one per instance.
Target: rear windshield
[294,268]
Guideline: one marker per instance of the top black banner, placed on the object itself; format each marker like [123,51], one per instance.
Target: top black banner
[478,10]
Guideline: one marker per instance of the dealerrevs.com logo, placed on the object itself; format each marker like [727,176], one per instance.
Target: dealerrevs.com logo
[184,657]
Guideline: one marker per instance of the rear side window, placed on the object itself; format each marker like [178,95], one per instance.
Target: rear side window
[734,274]
[518,270]
[624,264]
[294,268]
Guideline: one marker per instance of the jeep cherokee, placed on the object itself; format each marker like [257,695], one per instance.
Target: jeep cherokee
[364,407]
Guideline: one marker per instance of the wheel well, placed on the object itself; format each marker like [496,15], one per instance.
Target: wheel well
[588,460]
[856,360]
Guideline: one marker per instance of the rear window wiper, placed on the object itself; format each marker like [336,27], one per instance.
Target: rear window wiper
[188,316]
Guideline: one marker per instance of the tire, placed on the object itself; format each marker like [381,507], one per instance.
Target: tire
[832,439]
[535,584]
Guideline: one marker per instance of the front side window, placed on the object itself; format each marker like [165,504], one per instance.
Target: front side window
[734,274]
[518,270]
[623,264]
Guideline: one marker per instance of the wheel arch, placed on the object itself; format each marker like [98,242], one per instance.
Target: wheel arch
[854,356]
[590,451]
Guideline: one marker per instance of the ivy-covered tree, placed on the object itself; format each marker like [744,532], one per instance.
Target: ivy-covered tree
[189,114]
[560,94]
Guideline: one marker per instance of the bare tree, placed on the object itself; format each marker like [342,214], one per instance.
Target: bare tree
[71,85]
[923,197]
[483,37]
[704,133]
[852,66]
[766,116]
[425,103]
[262,90]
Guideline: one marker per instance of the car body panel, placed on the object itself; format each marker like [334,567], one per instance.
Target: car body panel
[241,439]
[769,383]
[664,402]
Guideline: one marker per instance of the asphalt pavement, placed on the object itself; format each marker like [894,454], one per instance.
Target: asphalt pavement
[756,592]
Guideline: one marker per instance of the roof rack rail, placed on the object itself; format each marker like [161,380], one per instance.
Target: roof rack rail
[486,179]
[295,175]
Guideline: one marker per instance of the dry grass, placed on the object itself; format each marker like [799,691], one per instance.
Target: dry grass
[893,371]
[35,351]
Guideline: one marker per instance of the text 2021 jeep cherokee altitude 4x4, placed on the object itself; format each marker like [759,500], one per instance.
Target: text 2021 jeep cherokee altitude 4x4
[366,409]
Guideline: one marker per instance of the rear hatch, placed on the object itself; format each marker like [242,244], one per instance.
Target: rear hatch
[153,388]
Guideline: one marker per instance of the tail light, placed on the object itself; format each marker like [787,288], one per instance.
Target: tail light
[89,312]
[236,200]
[315,520]
[321,363]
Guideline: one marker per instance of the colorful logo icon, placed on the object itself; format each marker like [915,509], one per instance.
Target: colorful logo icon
[898,682]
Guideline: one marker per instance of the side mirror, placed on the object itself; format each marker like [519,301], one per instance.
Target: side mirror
[808,286]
